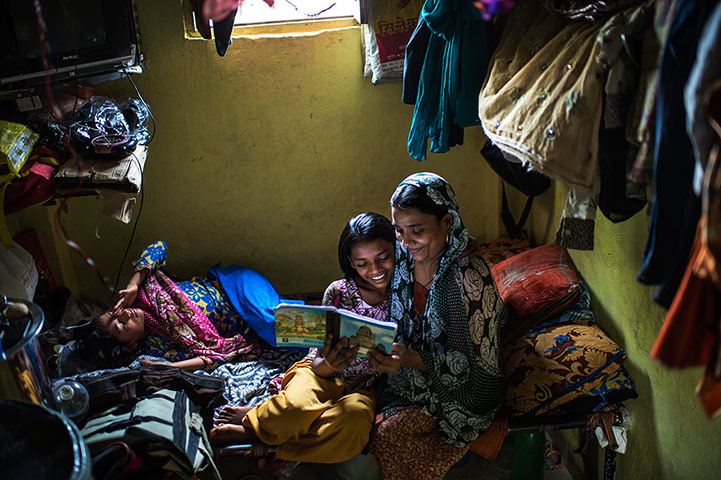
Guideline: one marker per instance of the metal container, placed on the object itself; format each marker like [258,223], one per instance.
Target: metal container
[23,376]
[40,444]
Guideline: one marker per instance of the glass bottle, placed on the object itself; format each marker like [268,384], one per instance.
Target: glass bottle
[72,399]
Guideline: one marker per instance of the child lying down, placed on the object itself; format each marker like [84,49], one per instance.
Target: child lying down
[195,324]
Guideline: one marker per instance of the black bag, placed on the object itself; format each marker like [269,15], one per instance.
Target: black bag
[526,181]
[164,428]
[111,389]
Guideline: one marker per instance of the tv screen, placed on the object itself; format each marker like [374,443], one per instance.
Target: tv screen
[82,37]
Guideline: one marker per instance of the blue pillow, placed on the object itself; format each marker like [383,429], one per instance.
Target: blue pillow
[580,311]
[253,296]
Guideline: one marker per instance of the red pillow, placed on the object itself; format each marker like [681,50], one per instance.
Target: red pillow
[536,285]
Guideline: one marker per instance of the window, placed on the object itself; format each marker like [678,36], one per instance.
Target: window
[257,17]
[253,12]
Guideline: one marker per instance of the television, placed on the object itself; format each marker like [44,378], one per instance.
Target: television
[85,39]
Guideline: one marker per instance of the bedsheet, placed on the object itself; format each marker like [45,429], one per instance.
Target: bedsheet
[245,383]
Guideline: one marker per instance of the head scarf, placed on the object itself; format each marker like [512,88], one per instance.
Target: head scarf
[171,314]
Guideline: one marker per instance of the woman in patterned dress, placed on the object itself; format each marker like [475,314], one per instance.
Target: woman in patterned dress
[444,381]
[325,411]
[191,323]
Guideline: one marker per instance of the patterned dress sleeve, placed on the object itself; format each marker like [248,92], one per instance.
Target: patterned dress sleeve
[157,346]
[465,384]
[153,257]
[333,294]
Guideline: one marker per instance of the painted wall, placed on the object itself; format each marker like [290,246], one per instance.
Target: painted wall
[260,157]
[670,436]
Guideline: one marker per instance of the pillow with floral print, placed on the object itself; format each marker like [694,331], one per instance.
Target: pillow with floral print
[554,365]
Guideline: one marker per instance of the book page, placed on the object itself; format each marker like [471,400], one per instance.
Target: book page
[300,326]
[366,332]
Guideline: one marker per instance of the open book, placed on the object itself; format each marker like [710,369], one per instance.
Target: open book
[306,326]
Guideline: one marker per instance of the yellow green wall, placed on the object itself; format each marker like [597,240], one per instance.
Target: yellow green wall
[670,435]
[261,156]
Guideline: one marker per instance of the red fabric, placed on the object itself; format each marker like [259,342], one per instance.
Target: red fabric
[420,298]
[34,189]
[407,444]
[43,151]
[216,10]
[709,392]
[536,285]
[219,9]
[489,443]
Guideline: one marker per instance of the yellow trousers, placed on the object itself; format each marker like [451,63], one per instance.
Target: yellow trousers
[311,420]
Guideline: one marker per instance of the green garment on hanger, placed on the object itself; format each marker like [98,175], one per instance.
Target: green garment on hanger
[453,71]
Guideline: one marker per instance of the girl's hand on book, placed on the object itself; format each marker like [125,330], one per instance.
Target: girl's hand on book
[330,360]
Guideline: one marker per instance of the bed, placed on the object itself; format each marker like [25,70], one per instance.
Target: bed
[561,368]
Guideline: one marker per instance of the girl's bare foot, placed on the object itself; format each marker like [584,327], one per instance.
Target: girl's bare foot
[231,414]
[230,433]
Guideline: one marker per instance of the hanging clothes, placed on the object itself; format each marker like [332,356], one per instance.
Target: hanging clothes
[543,101]
[454,66]
[706,69]
[588,10]
[543,98]
[691,333]
[675,208]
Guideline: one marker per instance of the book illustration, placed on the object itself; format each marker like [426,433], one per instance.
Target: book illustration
[300,327]
[305,326]
[366,335]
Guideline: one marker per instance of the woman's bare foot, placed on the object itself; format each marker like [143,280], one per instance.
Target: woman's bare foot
[230,433]
[231,414]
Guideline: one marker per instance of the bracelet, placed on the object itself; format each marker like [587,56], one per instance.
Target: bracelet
[206,361]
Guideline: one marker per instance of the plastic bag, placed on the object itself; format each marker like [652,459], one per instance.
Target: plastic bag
[389,28]
[16,143]
[102,128]
[18,275]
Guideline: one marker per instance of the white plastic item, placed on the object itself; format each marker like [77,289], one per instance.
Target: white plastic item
[18,274]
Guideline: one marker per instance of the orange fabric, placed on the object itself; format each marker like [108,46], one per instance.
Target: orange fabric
[689,334]
[489,443]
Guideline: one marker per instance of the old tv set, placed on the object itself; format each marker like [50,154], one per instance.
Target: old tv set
[84,39]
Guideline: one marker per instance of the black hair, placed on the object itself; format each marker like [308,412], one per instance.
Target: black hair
[364,227]
[411,196]
[94,351]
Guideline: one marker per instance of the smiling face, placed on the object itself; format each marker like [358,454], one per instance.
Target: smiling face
[127,327]
[373,262]
[423,234]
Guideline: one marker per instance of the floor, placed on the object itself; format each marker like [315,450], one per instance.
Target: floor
[364,467]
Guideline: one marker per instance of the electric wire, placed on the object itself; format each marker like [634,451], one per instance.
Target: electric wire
[58,227]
